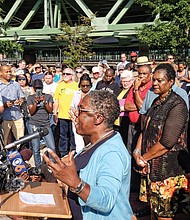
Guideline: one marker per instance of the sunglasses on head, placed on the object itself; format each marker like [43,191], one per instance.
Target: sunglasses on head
[67,74]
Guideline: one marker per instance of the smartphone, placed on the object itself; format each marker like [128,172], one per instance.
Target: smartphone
[38,92]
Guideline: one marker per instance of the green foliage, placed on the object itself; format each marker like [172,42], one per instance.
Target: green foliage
[77,42]
[10,48]
[172,29]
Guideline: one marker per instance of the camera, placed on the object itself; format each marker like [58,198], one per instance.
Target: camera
[38,92]
[9,182]
[34,171]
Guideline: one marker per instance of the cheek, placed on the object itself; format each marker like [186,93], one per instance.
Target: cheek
[84,124]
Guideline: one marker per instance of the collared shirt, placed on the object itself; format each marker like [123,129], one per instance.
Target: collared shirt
[11,91]
[134,115]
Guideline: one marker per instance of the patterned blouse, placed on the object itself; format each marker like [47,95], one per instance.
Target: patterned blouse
[166,122]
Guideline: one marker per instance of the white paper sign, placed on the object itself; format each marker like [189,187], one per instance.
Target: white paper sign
[38,199]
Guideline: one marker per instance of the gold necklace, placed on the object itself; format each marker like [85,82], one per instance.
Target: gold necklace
[90,145]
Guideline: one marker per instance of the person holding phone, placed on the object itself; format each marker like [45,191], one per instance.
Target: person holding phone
[12,98]
[40,105]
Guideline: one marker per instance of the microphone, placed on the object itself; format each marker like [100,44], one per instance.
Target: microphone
[41,132]
[17,162]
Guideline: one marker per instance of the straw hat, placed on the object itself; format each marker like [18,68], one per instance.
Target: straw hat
[143,61]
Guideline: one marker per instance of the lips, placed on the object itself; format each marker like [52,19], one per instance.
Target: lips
[154,87]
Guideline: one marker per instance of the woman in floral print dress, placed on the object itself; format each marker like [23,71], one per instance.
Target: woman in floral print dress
[159,147]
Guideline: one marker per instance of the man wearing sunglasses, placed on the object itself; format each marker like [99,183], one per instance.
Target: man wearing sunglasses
[62,102]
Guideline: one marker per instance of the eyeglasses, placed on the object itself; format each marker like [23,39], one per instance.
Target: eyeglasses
[67,74]
[84,110]
[21,79]
[87,86]
[78,72]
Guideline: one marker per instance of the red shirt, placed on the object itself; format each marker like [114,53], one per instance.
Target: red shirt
[134,116]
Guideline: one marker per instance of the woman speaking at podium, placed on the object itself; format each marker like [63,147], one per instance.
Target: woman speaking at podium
[98,177]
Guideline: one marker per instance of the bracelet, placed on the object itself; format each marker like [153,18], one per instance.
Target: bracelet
[137,151]
[79,188]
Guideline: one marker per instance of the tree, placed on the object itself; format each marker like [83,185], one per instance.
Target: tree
[7,47]
[10,48]
[77,42]
[171,27]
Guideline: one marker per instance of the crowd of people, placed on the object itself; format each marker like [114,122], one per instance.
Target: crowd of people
[111,131]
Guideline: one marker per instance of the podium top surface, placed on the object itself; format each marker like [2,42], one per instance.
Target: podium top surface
[10,204]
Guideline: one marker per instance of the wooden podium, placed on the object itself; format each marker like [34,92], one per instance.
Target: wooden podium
[10,204]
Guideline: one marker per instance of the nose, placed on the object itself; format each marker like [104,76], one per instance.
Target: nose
[154,82]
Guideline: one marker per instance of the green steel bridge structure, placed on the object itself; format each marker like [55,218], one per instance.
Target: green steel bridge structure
[36,23]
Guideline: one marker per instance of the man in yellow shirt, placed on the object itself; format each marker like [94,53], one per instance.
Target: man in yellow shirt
[63,97]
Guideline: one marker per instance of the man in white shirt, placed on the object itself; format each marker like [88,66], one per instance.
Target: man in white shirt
[49,86]
[124,61]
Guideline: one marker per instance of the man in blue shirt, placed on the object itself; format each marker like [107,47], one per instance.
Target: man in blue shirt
[12,98]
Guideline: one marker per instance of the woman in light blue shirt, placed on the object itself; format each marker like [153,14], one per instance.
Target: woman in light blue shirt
[99,175]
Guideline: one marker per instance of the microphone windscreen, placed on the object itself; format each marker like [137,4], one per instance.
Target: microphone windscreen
[44,131]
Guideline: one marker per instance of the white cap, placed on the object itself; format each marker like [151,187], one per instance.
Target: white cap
[95,69]
[127,74]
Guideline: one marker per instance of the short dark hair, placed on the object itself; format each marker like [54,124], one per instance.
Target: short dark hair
[48,73]
[106,104]
[37,83]
[20,76]
[20,61]
[85,77]
[110,70]
[168,70]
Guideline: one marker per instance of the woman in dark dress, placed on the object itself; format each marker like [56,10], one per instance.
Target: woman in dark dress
[160,144]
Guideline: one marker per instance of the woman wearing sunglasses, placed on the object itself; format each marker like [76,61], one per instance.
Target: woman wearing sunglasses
[28,90]
[85,85]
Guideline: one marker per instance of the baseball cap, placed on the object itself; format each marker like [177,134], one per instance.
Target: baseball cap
[133,54]
[121,67]
[95,69]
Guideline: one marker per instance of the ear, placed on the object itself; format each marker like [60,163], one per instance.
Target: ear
[98,119]
[171,82]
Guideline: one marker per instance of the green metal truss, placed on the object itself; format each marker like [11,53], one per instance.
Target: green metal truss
[53,10]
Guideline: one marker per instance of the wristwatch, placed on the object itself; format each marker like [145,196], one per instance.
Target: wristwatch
[79,188]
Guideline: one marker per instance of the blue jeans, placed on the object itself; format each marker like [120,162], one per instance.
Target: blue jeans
[66,135]
[49,140]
